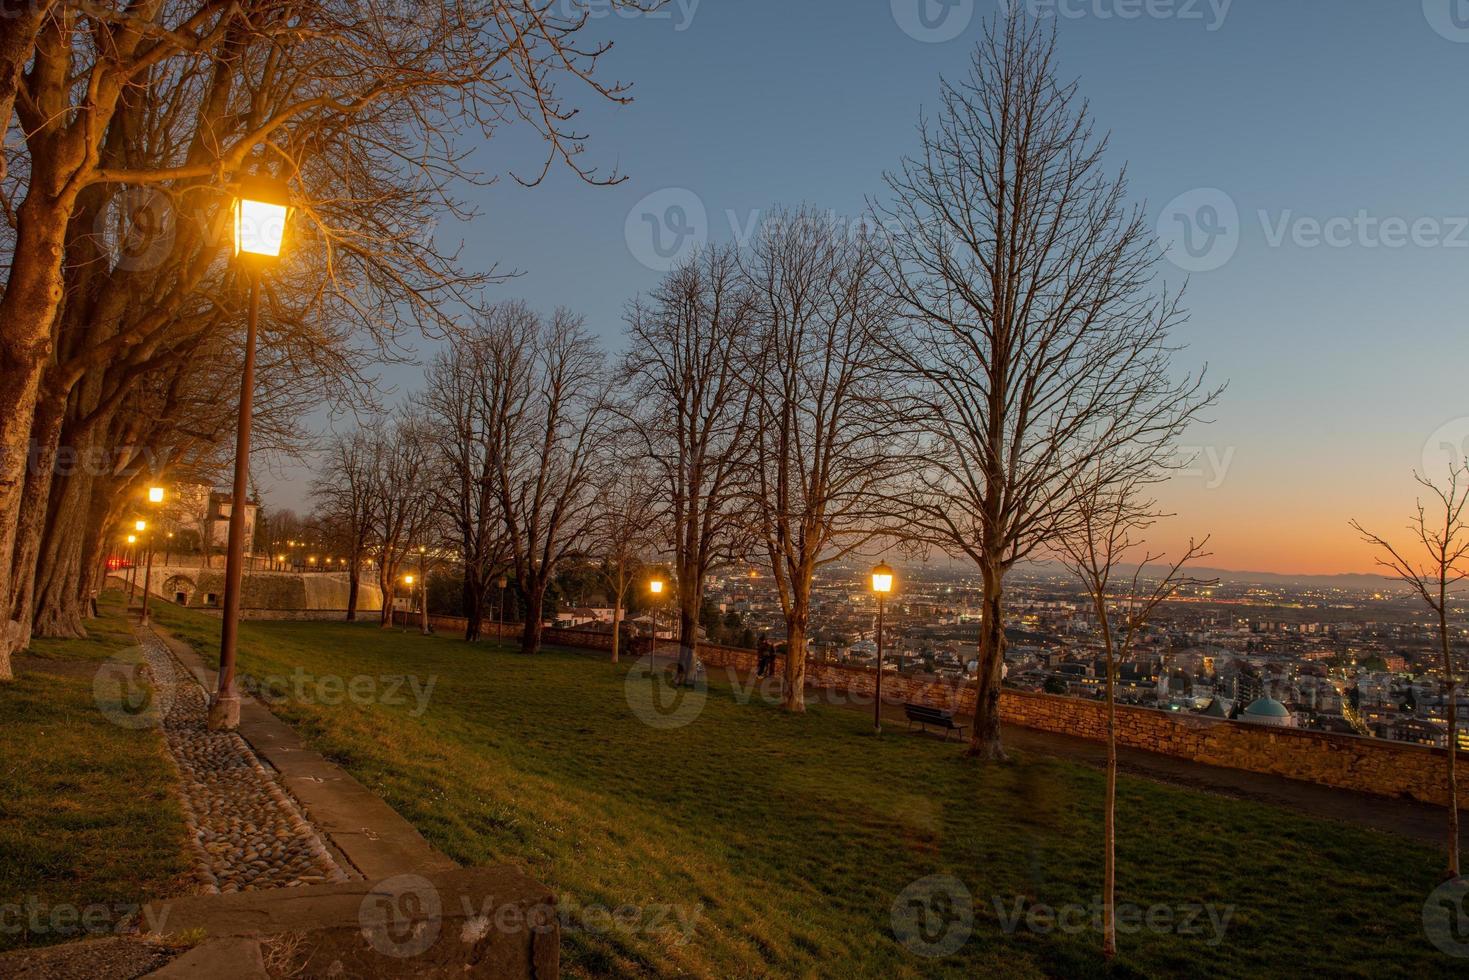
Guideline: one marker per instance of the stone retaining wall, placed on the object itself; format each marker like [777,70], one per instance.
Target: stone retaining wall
[1368,765]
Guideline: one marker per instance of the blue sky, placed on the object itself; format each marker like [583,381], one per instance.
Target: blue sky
[1343,355]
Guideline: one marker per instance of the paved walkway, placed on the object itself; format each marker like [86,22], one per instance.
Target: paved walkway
[245,832]
[360,834]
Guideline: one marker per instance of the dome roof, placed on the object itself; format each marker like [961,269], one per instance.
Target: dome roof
[1267,711]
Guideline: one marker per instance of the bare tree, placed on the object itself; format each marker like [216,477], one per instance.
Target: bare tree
[461,403]
[1106,533]
[402,503]
[346,494]
[548,420]
[1443,536]
[622,537]
[692,410]
[825,438]
[1036,343]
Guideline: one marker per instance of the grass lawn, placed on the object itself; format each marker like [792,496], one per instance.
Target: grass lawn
[89,823]
[789,838]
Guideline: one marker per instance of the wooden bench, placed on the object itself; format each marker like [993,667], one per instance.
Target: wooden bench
[923,716]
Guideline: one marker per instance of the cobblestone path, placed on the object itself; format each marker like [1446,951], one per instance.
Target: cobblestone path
[245,831]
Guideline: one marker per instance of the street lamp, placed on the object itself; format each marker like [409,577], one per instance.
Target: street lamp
[155,497]
[132,565]
[423,592]
[655,586]
[882,584]
[136,541]
[261,210]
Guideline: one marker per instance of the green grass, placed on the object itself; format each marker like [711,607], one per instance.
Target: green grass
[792,836]
[89,820]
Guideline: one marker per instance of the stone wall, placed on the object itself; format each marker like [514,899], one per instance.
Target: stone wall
[1368,765]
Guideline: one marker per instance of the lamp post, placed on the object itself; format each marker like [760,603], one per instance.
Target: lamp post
[423,592]
[137,541]
[132,565]
[408,581]
[260,213]
[155,497]
[655,586]
[882,584]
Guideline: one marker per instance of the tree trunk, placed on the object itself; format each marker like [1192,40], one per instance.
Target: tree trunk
[27,309]
[530,635]
[59,609]
[36,507]
[985,741]
[71,512]
[354,585]
[688,629]
[385,583]
[793,698]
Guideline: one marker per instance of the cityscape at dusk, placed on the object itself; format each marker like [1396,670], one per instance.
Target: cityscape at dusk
[679,488]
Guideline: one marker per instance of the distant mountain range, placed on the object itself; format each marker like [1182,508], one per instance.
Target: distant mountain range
[1356,581]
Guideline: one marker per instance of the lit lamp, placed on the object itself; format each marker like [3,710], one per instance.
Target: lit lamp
[132,563]
[261,209]
[136,541]
[260,214]
[655,586]
[423,588]
[882,584]
[155,497]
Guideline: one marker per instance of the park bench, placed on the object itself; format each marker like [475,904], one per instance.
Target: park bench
[923,716]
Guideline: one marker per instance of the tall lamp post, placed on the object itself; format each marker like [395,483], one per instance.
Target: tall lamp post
[423,593]
[655,586]
[132,564]
[882,584]
[260,214]
[137,541]
[155,498]
[408,581]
